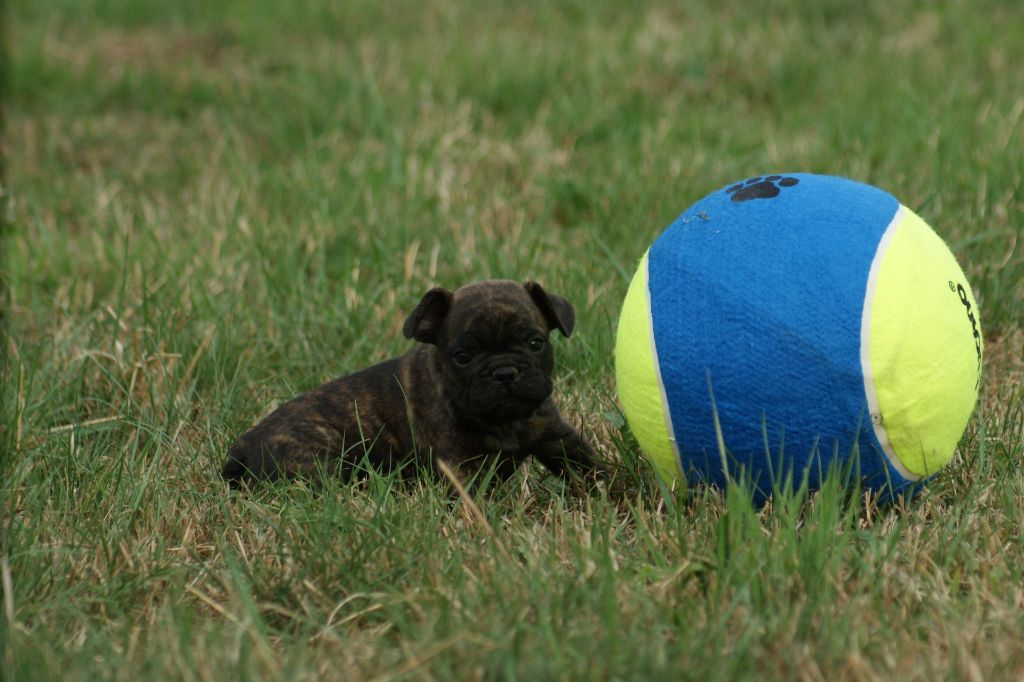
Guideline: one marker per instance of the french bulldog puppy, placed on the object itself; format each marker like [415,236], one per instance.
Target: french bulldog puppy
[474,393]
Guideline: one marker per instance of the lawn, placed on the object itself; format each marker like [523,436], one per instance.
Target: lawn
[212,205]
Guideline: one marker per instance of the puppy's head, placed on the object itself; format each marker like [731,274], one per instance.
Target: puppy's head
[492,344]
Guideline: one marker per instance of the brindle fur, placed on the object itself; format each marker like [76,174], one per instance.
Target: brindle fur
[409,411]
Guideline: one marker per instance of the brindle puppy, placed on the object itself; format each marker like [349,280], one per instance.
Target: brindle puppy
[475,393]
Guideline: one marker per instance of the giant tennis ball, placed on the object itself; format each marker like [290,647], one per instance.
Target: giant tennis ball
[822,324]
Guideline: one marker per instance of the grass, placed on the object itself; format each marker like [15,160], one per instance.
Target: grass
[213,206]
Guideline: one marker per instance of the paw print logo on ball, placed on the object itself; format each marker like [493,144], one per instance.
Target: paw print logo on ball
[760,188]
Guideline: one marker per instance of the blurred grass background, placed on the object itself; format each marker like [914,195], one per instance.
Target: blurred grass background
[214,205]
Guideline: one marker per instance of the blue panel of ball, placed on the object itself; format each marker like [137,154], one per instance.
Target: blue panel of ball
[737,285]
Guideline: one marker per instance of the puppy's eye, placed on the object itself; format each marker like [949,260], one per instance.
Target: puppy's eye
[462,357]
[536,344]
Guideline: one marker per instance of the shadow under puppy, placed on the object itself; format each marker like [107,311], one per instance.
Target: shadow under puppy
[475,393]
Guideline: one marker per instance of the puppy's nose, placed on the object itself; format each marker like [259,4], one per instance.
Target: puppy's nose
[506,374]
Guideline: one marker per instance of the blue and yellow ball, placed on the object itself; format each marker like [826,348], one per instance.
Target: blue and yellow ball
[818,320]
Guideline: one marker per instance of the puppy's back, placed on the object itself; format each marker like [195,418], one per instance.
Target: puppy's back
[329,429]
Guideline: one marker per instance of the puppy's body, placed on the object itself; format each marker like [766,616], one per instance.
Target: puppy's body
[475,393]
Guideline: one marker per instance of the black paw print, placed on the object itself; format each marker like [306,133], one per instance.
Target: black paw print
[760,188]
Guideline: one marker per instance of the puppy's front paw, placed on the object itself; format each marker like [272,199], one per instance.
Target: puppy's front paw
[570,456]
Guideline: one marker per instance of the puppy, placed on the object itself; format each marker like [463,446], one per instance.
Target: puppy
[474,393]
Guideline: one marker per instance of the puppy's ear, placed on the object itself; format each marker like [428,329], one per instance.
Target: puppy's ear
[556,310]
[425,321]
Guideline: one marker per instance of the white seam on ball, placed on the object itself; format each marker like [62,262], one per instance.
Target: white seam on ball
[666,413]
[865,347]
